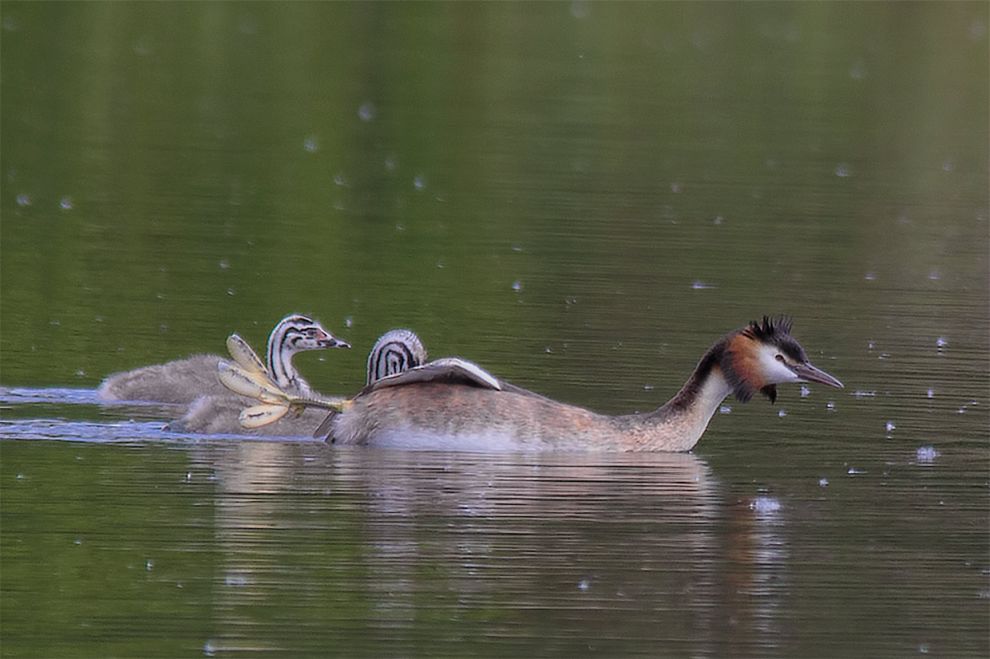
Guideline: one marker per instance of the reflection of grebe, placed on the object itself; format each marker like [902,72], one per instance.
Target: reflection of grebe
[435,406]
[184,380]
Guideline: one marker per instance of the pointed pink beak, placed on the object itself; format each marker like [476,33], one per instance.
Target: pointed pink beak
[811,373]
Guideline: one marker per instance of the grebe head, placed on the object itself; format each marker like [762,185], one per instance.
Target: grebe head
[763,355]
[395,351]
[302,333]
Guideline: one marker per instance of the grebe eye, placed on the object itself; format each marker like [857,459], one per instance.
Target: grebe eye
[779,357]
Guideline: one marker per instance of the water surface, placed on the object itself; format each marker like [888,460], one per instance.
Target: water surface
[581,198]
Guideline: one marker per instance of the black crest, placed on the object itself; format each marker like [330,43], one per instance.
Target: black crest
[770,330]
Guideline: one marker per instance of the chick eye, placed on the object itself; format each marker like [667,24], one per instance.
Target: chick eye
[779,358]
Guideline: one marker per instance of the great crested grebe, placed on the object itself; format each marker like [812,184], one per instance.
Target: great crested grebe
[185,380]
[435,407]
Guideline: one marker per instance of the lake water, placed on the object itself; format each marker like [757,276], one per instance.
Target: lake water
[580,197]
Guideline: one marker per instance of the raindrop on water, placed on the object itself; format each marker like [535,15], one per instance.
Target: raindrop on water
[926,454]
[367,111]
[765,505]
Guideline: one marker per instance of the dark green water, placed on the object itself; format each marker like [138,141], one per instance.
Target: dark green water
[581,198]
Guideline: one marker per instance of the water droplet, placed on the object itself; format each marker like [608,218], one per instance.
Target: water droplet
[149,565]
[367,111]
[142,47]
[700,285]
[209,650]
[853,471]
[926,454]
[718,220]
[823,482]
[236,580]
[311,144]
[231,291]
[781,413]
[934,275]
[419,182]
[23,199]
[858,71]
[676,187]
[805,391]
[77,541]
[224,264]
[584,584]
[941,342]
[188,476]
[830,406]
[765,505]
[977,30]
[948,166]
[517,248]
[725,409]
[864,394]
[647,387]
[391,163]
[517,286]
[247,25]
[842,170]
[931,392]
[349,322]
[80,373]
[870,276]
[889,426]
[341,181]
[19,477]
[65,203]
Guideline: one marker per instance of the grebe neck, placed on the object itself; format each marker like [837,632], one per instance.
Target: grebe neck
[281,348]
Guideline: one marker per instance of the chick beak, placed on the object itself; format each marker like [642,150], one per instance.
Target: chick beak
[811,373]
[329,341]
